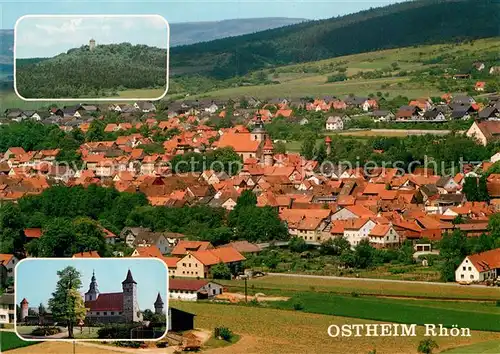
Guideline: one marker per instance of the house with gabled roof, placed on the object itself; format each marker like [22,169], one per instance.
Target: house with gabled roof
[197,264]
[356,230]
[193,289]
[484,131]
[384,236]
[479,267]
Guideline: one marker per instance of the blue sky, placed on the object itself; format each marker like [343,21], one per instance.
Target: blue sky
[37,278]
[189,10]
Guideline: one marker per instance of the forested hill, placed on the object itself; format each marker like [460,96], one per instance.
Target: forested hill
[101,72]
[404,24]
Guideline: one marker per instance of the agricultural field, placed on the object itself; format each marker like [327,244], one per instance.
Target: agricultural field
[265,330]
[310,79]
[277,283]
[486,317]
[490,347]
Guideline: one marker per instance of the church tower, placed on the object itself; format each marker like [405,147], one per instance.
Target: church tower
[24,309]
[258,132]
[131,312]
[268,152]
[92,44]
[93,292]
[159,305]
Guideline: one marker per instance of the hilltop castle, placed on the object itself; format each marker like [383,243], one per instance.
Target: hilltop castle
[116,307]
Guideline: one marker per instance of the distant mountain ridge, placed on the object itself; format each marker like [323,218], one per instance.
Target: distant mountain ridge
[398,25]
[181,34]
[195,32]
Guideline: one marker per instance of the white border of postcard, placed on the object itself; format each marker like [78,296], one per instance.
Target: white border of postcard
[117,259]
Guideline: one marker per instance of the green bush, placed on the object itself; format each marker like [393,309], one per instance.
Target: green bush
[498,303]
[118,331]
[45,331]
[223,332]
[298,306]
[128,344]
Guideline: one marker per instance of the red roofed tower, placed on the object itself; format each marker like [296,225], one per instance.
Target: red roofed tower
[24,309]
[268,152]
[328,142]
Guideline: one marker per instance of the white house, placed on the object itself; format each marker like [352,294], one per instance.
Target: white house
[193,289]
[9,261]
[334,123]
[356,230]
[479,267]
[384,236]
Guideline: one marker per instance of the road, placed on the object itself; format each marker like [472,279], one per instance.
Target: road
[331,277]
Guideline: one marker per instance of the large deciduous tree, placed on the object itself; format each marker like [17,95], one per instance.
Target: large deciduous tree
[66,303]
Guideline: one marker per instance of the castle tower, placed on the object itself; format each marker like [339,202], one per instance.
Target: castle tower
[159,305]
[268,152]
[93,292]
[92,44]
[130,303]
[258,132]
[24,309]
[328,142]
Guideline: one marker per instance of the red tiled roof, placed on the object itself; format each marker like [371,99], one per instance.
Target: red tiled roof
[106,302]
[183,247]
[186,284]
[33,233]
[486,260]
[218,255]
[240,142]
[89,254]
[380,230]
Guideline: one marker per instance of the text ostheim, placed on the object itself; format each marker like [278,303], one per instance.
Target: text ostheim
[396,330]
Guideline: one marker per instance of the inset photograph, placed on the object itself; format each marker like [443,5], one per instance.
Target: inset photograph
[96,57]
[91,299]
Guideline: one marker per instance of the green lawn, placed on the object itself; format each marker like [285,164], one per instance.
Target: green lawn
[490,347]
[9,341]
[394,310]
[279,283]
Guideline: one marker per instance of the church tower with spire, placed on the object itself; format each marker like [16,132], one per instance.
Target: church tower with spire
[131,311]
[258,131]
[159,305]
[93,292]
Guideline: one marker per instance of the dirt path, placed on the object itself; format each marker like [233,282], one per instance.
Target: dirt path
[258,297]
[246,345]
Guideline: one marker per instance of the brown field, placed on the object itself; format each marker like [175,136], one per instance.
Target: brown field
[366,286]
[266,330]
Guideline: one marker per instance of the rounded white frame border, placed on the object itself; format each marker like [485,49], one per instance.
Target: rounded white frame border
[105,99]
[166,301]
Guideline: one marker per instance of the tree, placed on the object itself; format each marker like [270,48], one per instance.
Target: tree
[297,244]
[96,131]
[58,239]
[41,309]
[307,148]
[66,303]
[335,246]
[320,153]
[471,189]
[453,249]
[426,346]
[12,236]
[220,271]
[147,315]
[279,148]
[363,254]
